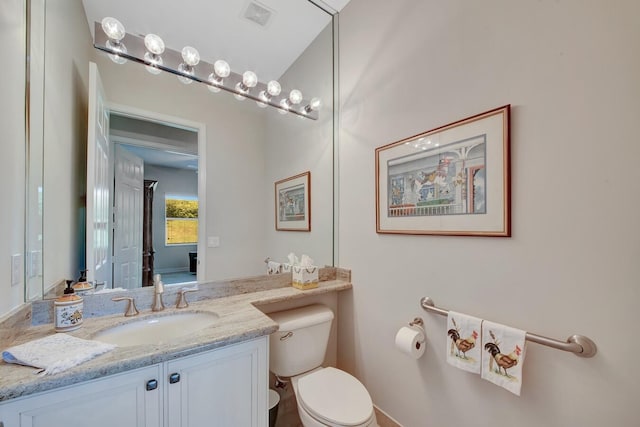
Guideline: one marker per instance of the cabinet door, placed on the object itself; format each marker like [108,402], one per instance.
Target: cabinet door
[118,400]
[221,388]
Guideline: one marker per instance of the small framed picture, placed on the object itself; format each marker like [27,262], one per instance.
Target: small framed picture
[293,203]
[452,180]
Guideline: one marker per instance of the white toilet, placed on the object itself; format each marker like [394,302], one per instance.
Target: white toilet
[325,396]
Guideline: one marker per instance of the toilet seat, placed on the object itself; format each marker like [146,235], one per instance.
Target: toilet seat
[335,398]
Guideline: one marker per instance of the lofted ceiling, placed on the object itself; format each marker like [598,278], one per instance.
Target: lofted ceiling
[225,29]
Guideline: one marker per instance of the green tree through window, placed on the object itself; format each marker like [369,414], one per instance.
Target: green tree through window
[181,220]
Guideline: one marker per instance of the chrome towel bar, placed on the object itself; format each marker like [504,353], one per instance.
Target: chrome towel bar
[577,344]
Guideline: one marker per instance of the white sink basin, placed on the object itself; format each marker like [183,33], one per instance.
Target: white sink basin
[156,330]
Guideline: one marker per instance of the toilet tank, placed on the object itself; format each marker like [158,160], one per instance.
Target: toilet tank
[300,343]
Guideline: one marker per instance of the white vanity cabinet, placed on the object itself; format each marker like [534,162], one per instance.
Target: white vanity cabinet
[222,388]
[226,387]
[117,400]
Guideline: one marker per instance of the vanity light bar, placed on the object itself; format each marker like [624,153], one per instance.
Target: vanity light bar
[132,47]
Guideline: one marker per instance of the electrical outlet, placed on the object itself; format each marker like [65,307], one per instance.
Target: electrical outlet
[213,241]
[16,269]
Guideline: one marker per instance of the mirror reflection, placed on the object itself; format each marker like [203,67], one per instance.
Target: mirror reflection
[202,165]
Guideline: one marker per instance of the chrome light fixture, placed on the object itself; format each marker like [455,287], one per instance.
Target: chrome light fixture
[273,89]
[155,48]
[314,105]
[190,58]
[151,51]
[249,80]
[221,71]
[114,30]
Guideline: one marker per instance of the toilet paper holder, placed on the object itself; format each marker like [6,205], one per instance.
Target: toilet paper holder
[417,321]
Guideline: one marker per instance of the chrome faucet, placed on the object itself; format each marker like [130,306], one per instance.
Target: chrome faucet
[158,290]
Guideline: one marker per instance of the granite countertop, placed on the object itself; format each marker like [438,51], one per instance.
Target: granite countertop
[239,320]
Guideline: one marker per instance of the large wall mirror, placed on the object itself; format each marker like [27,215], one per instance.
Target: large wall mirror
[182,167]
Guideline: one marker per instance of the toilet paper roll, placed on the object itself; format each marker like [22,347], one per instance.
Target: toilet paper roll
[411,341]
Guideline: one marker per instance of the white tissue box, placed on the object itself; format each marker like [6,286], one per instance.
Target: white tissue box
[304,277]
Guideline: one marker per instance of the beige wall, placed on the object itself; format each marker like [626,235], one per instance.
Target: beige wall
[298,145]
[68,47]
[570,71]
[12,162]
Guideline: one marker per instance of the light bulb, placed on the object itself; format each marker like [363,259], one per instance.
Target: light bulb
[154,61]
[190,55]
[154,44]
[274,88]
[113,28]
[221,68]
[249,79]
[315,104]
[295,96]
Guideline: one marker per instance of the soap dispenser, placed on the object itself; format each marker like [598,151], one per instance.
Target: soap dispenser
[68,310]
[82,286]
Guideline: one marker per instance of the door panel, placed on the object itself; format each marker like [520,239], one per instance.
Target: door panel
[128,214]
[98,230]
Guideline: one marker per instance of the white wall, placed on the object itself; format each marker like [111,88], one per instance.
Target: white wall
[570,71]
[175,182]
[12,162]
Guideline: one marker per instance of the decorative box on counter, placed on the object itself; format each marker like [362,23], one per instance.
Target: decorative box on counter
[304,277]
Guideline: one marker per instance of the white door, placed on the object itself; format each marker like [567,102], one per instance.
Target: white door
[98,255]
[127,217]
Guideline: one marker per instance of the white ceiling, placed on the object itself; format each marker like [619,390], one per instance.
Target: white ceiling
[218,29]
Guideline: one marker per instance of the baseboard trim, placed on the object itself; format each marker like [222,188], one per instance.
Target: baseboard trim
[171,270]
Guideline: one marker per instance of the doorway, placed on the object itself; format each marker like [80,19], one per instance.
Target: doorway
[170,238]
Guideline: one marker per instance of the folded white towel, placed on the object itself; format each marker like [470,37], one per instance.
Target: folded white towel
[504,355]
[464,350]
[55,353]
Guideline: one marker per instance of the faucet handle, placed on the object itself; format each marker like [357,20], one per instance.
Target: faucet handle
[131,306]
[182,299]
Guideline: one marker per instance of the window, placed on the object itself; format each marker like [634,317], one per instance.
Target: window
[181,220]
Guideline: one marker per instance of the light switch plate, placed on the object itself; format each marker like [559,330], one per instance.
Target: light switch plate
[213,241]
[16,269]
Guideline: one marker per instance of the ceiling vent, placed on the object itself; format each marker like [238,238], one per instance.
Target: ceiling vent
[258,13]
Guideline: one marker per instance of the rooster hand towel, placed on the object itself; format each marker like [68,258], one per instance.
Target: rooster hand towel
[503,355]
[463,351]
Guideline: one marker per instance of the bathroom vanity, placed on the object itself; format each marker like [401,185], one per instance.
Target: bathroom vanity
[216,376]
[220,387]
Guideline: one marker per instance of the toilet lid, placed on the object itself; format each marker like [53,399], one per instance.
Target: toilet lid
[336,397]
